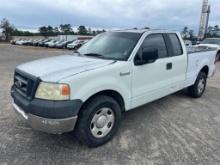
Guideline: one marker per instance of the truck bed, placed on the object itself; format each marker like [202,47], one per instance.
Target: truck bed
[191,50]
[197,59]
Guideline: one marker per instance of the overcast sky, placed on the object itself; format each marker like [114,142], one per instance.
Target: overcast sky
[163,14]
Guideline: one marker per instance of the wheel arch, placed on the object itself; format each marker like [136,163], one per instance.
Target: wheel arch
[111,93]
[205,69]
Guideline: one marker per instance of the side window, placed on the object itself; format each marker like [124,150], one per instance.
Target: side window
[156,41]
[176,45]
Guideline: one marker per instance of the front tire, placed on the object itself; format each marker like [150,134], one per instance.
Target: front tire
[197,90]
[98,121]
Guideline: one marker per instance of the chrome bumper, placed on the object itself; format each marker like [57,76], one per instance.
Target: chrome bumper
[53,126]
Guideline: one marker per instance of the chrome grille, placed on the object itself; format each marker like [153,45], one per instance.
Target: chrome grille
[25,84]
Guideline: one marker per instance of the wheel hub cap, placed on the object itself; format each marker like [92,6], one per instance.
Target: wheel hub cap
[102,122]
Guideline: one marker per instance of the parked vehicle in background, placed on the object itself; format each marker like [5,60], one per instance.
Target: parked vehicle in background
[42,43]
[13,42]
[46,44]
[188,43]
[20,42]
[113,73]
[53,43]
[28,42]
[76,44]
[35,42]
[63,44]
[211,43]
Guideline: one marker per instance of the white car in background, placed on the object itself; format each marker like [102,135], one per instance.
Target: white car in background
[49,43]
[211,43]
[53,44]
[75,44]
[20,41]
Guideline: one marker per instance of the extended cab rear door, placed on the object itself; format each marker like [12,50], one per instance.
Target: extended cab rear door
[178,59]
[162,77]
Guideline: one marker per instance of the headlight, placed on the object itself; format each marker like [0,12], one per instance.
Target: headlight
[52,91]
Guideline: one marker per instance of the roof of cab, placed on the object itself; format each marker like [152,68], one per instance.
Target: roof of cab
[145,30]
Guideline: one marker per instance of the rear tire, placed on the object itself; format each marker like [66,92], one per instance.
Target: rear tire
[197,90]
[98,121]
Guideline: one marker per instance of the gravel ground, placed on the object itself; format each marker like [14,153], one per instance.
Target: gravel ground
[173,130]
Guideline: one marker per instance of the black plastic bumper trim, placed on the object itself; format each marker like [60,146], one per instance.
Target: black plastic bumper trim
[46,108]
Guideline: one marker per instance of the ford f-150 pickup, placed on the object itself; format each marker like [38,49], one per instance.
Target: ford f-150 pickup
[117,71]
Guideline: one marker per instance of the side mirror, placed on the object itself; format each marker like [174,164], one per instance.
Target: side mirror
[148,56]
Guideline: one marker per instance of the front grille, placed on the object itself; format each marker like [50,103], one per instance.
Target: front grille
[25,84]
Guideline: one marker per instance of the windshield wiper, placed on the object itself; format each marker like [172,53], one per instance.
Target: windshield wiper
[94,55]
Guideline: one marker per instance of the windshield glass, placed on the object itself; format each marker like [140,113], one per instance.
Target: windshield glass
[211,41]
[111,45]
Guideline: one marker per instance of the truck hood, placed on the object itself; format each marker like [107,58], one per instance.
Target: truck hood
[54,69]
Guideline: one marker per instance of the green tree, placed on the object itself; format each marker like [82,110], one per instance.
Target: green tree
[216,28]
[7,28]
[50,31]
[89,31]
[82,30]
[56,30]
[47,31]
[185,32]
[93,32]
[43,31]
[66,28]
[191,34]
[213,31]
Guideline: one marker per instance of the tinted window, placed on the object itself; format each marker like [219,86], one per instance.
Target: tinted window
[176,45]
[156,41]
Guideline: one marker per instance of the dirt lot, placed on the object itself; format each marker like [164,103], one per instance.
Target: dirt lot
[174,130]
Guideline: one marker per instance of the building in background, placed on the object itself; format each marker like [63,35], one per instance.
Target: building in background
[2,36]
[206,9]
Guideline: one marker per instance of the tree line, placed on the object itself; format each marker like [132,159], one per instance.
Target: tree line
[64,29]
[212,32]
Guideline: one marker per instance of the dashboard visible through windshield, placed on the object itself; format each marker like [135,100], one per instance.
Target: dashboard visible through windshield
[111,45]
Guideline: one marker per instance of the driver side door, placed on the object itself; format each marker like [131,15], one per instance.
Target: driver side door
[152,80]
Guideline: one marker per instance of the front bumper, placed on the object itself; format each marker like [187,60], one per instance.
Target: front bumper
[53,126]
[54,117]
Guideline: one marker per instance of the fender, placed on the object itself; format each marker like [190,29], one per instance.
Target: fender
[86,84]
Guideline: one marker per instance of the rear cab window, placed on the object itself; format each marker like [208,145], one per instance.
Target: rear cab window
[174,44]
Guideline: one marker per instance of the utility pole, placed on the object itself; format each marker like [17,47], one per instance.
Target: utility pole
[206,9]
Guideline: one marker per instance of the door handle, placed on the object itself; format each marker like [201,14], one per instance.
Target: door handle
[124,73]
[169,66]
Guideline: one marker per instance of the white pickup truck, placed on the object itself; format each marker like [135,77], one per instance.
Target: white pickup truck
[112,73]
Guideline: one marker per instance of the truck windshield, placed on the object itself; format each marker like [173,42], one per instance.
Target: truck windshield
[211,41]
[111,45]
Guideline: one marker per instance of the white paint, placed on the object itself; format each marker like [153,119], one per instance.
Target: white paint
[88,76]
